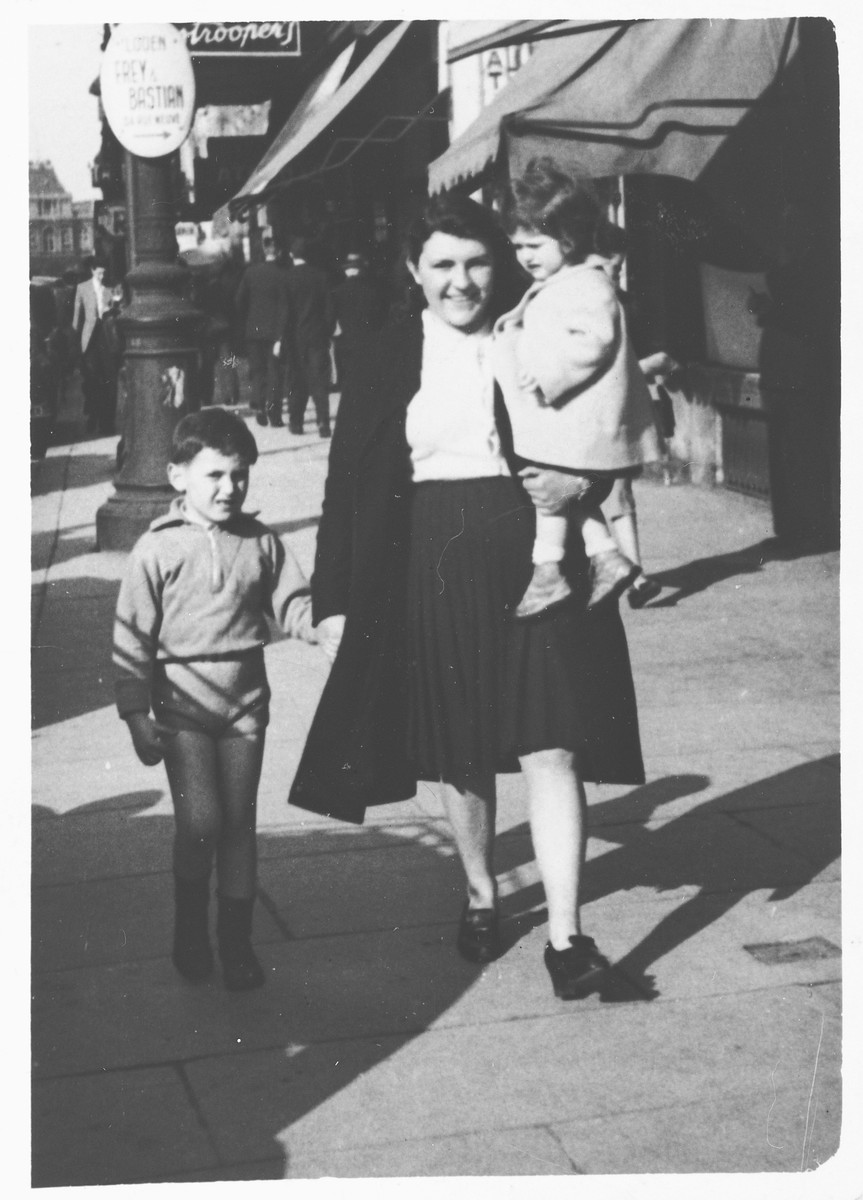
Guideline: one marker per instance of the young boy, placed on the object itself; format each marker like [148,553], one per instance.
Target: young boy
[188,644]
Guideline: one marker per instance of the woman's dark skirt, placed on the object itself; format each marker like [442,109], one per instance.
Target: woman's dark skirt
[484,688]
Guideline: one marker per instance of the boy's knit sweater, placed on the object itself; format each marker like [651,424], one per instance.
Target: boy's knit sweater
[192,591]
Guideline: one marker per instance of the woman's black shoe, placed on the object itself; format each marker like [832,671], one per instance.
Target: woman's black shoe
[478,937]
[576,971]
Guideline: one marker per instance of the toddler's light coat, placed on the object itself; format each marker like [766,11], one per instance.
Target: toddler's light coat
[569,333]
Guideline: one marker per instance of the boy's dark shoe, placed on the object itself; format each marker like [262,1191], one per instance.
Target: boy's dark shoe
[546,588]
[611,573]
[192,955]
[478,936]
[240,968]
[576,971]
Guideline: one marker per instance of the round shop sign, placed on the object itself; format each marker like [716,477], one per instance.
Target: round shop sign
[148,88]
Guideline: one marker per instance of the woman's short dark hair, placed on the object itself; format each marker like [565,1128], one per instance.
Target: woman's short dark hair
[455,214]
[212,429]
[562,205]
[92,262]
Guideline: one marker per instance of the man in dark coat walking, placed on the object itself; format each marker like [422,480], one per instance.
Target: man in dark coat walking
[308,357]
[359,312]
[263,307]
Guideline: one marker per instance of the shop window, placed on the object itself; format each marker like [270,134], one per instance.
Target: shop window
[49,241]
[34,241]
[68,238]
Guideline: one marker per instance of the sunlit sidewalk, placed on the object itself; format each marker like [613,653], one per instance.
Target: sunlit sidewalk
[373,1050]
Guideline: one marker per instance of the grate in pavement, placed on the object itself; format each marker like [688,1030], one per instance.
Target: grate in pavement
[771,953]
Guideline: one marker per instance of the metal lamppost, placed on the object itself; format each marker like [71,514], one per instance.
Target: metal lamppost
[160,328]
[147,88]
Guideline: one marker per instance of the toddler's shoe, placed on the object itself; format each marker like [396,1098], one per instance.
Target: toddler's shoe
[546,588]
[576,971]
[642,591]
[611,573]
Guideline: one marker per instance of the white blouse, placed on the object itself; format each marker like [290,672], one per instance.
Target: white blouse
[451,429]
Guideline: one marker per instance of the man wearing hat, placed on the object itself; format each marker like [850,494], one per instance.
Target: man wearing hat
[308,358]
[263,308]
[359,311]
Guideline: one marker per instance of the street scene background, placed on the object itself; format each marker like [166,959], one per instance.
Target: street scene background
[722,1041]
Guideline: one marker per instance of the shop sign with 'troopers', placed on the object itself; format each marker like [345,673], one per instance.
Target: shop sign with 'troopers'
[242,39]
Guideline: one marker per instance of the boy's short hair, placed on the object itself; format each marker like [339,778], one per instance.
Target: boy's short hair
[212,429]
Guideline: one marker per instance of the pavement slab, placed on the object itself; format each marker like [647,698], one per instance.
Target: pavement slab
[117,1128]
[374,1051]
[540,1070]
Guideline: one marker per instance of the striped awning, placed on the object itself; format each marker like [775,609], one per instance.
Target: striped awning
[646,97]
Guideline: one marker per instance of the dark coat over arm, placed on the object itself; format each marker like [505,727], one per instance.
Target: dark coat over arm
[355,752]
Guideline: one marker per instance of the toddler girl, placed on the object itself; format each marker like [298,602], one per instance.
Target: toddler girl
[576,398]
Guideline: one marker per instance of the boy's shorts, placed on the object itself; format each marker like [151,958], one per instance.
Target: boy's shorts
[222,695]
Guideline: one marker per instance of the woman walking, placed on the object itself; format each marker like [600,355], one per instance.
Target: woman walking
[424,550]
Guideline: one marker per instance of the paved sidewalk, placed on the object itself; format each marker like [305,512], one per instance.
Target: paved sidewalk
[373,1050]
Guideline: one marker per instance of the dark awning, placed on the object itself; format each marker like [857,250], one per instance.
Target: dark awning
[316,112]
[647,97]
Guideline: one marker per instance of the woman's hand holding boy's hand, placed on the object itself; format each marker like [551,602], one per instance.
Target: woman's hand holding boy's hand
[330,631]
[149,737]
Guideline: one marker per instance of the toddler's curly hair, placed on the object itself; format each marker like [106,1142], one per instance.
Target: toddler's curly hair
[559,204]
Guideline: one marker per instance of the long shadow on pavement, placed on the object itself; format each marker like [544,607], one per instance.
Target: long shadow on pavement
[141,1077]
[71,655]
[778,833]
[702,573]
[62,472]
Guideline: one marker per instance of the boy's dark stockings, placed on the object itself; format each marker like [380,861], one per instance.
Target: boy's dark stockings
[192,953]
[214,786]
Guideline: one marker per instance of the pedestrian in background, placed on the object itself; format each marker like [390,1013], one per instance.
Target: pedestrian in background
[94,302]
[263,308]
[188,645]
[308,353]
[359,311]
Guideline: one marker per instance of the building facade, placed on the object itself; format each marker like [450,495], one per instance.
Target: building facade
[61,229]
